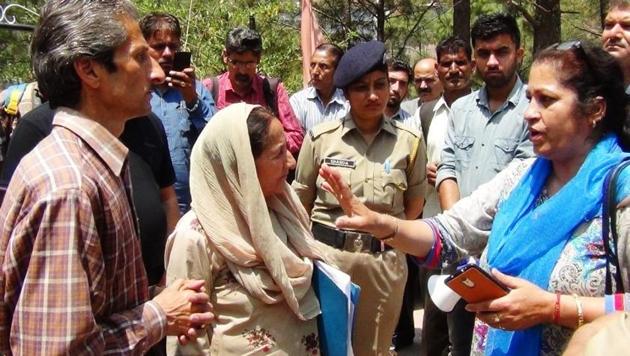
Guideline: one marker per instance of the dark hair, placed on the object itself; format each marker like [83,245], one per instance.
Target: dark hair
[242,39]
[159,21]
[490,26]
[73,29]
[452,45]
[398,65]
[331,49]
[591,72]
[258,123]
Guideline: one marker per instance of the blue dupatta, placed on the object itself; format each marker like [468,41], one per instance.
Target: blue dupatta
[526,240]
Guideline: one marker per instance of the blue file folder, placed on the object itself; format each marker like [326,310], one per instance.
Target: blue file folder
[337,298]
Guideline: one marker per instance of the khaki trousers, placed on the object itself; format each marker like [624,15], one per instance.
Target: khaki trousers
[382,277]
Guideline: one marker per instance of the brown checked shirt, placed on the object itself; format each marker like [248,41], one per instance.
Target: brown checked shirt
[72,279]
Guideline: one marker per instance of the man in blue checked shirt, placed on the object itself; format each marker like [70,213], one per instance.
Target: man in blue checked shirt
[182,103]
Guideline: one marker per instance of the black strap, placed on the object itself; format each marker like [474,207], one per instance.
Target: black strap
[426,116]
[215,89]
[609,227]
[3,191]
[270,86]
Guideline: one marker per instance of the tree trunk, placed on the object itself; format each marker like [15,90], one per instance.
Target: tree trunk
[547,24]
[461,19]
[380,20]
[603,9]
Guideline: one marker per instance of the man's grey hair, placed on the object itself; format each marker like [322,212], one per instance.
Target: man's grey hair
[73,29]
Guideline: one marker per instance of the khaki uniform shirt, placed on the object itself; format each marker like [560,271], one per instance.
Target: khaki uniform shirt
[384,175]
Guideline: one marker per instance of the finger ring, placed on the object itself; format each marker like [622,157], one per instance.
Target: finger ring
[497,318]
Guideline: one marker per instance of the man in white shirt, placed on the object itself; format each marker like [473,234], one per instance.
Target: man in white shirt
[455,68]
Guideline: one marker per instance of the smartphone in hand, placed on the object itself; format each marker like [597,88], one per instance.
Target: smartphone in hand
[181,61]
[475,285]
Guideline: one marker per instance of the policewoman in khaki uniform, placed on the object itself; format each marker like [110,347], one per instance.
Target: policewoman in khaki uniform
[384,162]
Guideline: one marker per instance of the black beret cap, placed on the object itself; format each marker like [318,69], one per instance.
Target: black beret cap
[358,61]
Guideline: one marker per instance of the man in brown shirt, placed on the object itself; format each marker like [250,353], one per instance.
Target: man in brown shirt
[72,279]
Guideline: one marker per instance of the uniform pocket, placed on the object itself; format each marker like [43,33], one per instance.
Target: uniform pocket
[393,187]
[504,150]
[463,148]
[327,198]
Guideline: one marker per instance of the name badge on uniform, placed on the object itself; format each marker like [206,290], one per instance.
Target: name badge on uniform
[338,162]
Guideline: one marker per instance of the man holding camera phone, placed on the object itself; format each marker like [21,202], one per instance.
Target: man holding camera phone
[182,103]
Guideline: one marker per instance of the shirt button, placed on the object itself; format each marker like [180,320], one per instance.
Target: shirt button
[483,145]
[476,167]
[365,180]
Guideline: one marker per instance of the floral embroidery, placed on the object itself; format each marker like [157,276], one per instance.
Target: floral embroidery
[481,333]
[311,343]
[196,226]
[260,339]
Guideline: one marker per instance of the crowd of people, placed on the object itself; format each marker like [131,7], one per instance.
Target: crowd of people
[146,211]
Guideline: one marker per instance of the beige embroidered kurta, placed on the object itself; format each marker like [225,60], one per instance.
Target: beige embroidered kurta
[244,325]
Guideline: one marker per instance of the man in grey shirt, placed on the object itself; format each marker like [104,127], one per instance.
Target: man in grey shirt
[486,131]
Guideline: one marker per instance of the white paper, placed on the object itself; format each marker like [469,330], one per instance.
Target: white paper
[442,296]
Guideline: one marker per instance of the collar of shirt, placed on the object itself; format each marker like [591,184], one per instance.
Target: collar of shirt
[337,97]
[441,106]
[349,125]
[400,115]
[513,97]
[106,145]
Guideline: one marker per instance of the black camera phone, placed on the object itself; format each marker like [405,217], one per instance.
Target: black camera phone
[181,61]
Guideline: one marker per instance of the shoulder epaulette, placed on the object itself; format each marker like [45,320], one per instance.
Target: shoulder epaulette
[323,128]
[399,125]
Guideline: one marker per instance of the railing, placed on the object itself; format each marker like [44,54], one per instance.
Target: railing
[10,22]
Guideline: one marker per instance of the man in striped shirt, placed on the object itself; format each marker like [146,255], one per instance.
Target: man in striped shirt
[71,276]
[321,101]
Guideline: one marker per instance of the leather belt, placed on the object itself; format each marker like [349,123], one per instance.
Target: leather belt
[348,240]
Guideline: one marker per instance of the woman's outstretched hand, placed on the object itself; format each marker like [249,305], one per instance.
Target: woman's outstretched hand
[358,216]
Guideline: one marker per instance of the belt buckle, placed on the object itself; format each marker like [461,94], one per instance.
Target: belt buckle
[357,242]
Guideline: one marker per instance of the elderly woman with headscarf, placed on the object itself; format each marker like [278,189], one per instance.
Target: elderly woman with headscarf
[538,224]
[248,237]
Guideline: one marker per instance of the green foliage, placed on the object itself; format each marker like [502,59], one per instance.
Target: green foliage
[14,51]
[278,23]
[210,21]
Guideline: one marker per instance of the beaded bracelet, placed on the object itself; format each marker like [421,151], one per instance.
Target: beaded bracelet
[194,107]
[580,311]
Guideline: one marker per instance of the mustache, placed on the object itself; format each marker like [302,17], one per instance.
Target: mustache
[614,42]
[242,77]
[424,90]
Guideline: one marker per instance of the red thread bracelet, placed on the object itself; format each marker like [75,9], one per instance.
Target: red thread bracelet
[556,309]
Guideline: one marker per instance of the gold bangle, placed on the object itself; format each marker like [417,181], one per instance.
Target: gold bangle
[580,311]
[390,236]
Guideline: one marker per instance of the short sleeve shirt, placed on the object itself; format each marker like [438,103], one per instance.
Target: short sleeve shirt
[384,175]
